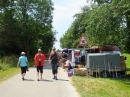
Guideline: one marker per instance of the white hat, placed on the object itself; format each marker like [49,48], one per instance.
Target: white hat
[23,53]
[39,50]
[53,48]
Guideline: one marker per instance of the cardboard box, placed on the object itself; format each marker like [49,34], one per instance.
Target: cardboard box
[123,66]
[83,71]
[80,71]
[122,57]
[76,71]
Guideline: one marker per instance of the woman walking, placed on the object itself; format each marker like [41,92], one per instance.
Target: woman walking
[23,64]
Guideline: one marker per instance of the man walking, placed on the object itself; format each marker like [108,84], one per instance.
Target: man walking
[39,63]
[54,60]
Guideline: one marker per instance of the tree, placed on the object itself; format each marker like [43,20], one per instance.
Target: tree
[103,24]
[9,28]
[72,36]
[122,7]
[103,28]
[27,24]
[99,2]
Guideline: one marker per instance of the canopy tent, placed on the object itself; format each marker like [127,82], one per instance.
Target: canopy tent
[67,50]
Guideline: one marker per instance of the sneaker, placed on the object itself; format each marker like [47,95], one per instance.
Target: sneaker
[54,77]
[38,80]
[23,78]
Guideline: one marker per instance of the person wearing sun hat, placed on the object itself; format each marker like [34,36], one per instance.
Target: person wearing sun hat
[22,62]
[39,59]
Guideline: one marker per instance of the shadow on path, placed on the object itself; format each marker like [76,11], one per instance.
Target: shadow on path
[28,80]
[63,80]
[46,80]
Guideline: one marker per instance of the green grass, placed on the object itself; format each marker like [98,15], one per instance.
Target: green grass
[8,67]
[102,87]
[6,74]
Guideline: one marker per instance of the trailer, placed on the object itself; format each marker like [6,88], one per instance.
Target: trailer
[105,65]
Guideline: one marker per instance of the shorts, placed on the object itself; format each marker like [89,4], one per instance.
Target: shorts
[40,69]
[54,71]
[23,69]
[54,68]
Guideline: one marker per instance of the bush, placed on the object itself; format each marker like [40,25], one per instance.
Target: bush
[8,61]
[4,66]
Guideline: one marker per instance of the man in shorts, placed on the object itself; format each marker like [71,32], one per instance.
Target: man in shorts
[39,63]
[54,61]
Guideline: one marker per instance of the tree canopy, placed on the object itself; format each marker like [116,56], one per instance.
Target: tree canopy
[104,22]
[26,25]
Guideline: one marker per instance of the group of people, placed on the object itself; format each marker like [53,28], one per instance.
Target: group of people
[39,59]
[78,57]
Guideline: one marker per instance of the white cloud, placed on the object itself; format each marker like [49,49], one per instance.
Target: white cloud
[66,12]
[63,15]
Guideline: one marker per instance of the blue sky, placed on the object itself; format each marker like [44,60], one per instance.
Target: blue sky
[63,13]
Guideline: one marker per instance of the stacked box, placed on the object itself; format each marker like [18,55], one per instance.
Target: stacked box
[80,71]
[122,59]
[122,62]
[123,67]
[76,71]
[83,71]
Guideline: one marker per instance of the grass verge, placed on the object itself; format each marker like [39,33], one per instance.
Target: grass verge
[6,74]
[102,87]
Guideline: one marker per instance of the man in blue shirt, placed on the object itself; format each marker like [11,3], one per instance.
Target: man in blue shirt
[23,64]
